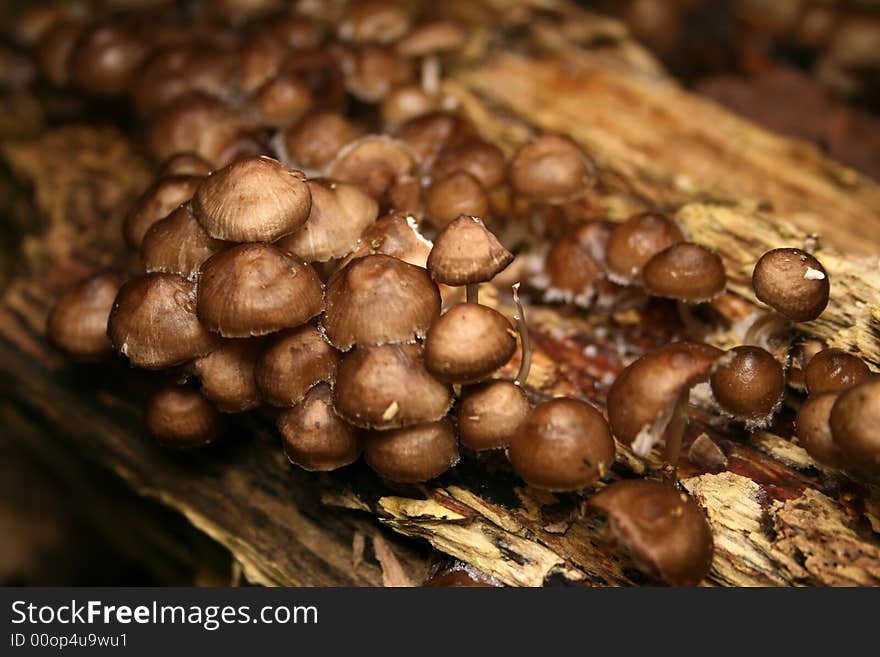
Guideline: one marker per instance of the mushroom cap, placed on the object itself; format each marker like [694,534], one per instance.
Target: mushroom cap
[793,283]
[552,169]
[397,235]
[154,322]
[180,418]
[489,414]
[456,195]
[412,454]
[339,215]
[156,203]
[256,199]
[834,370]
[106,57]
[467,252]
[374,21]
[563,445]
[283,99]
[642,398]
[373,162]
[312,143]
[227,375]
[575,264]
[314,437]
[405,102]
[194,123]
[432,37]
[178,244]
[427,135]
[748,382]
[388,387]
[665,531]
[634,242]
[686,272]
[54,51]
[468,343]
[77,323]
[292,363]
[482,160]
[184,164]
[371,72]
[814,430]
[377,300]
[854,420]
[254,289]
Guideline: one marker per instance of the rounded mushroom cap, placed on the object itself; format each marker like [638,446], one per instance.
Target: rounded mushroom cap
[490,413]
[834,370]
[388,387]
[563,445]
[814,431]
[482,160]
[575,265]
[685,272]
[457,194]
[254,289]
[634,242]
[106,57]
[397,235]
[374,21]
[665,531]
[641,399]
[283,99]
[552,169]
[429,134]
[432,37]
[156,203]
[793,283]
[180,418]
[412,454]
[77,323]
[256,199]
[373,162]
[748,382]
[340,213]
[314,437]
[154,323]
[194,123]
[54,50]
[854,420]
[377,300]
[468,343]
[313,142]
[292,363]
[184,164]
[178,244]
[227,375]
[406,102]
[371,72]
[467,252]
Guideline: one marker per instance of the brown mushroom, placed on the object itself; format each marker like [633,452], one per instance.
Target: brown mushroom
[482,160]
[574,268]
[429,41]
[292,363]
[373,162]
[157,202]
[563,445]
[489,414]
[77,323]
[748,383]
[405,102]
[834,370]
[854,419]
[106,57]
[793,283]
[552,169]
[374,21]
[686,272]
[180,418]
[194,123]
[634,242]
[54,50]
[427,135]
[184,164]
[178,244]
[814,430]
[283,100]
[412,454]
[255,289]
[371,72]
[227,375]
[396,234]
[457,194]
[313,142]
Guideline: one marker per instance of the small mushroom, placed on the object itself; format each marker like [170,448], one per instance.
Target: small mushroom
[194,123]
[489,414]
[427,135]
[482,160]
[154,324]
[180,418]
[227,375]
[429,41]
[793,283]
[178,244]
[387,387]
[396,234]
[412,454]
[457,194]
[156,203]
[373,162]
[552,169]
[563,445]
[664,531]
[834,370]
[854,419]
[106,57]
[314,437]
[77,323]
[574,268]
[283,100]
[54,51]
[634,242]
[814,430]
[377,300]
[184,164]
[405,102]
[292,363]
[374,21]
[313,142]
[255,289]
[371,72]
[748,383]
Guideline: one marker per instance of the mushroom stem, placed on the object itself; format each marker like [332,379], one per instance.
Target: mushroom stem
[693,328]
[767,331]
[431,75]
[473,293]
[523,329]
[674,434]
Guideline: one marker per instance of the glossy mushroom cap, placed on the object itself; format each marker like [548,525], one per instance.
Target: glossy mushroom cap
[455,195]
[641,399]
[405,102]
[686,272]
[563,445]
[388,387]
[431,38]
[793,283]
[373,162]
[377,300]
[282,100]
[575,265]
[490,413]
[468,343]
[814,431]
[854,420]
[552,169]
[412,454]
[180,418]
[374,21]
[314,437]
[427,135]
[77,323]
[834,370]
[292,363]
[664,531]
[634,242]
[313,142]
[255,289]
[106,57]
[395,235]
[194,123]
[227,375]
[153,322]
[156,203]
[339,215]
[178,244]
[482,160]
[256,199]
[467,252]
[748,382]
[372,71]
